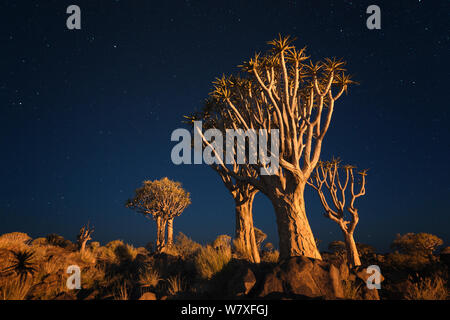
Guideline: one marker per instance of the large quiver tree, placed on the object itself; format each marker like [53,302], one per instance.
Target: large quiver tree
[292,100]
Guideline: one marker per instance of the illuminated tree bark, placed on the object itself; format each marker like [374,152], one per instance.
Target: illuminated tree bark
[280,91]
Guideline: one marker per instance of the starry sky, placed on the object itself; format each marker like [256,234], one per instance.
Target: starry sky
[86,115]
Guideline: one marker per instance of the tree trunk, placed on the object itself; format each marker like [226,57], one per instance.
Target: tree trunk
[352,251]
[245,231]
[161,234]
[83,246]
[170,233]
[294,232]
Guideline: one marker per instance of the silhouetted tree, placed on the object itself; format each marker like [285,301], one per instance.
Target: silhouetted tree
[161,200]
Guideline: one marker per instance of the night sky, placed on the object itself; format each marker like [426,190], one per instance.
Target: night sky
[86,115]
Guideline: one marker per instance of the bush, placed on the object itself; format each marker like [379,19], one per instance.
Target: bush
[149,278]
[59,241]
[14,240]
[223,241]
[175,285]
[210,261]
[185,246]
[416,244]
[270,256]
[39,242]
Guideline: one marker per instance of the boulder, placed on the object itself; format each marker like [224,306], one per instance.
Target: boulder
[148,296]
[242,282]
[303,277]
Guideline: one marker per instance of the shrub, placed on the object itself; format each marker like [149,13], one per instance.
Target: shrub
[210,261]
[94,245]
[88,256]
[149,278]
[15,240]
[39,242]
[352,290]
[222,241]
[259,237]
[420,243]
[403,261]
[270,256]
[59,241]
[185,246]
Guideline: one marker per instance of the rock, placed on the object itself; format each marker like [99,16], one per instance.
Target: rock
[148,296]
[367,294]
[242,282]
[336,282]
[302,276]
[344,272]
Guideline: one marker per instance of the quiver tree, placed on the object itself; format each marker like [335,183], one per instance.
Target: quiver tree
[288,100]
[331,184]
[161,200]
[243,195]
[84,235]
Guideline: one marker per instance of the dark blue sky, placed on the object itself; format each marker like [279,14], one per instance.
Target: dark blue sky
[86,115]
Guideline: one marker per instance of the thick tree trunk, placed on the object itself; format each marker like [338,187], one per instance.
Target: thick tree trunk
[294,232]
[352,251]
[170,233]
[161,234]
[245,231]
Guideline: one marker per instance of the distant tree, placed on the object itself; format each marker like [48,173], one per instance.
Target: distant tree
[416,243]
[161,200]
[327,174]
[84,235]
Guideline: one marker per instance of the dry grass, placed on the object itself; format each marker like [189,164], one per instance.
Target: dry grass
[210,261]
[427,289]
[14,289]
[149,278]
[88,256]
[176,285]
[122,292]
[240,250]
[352,291]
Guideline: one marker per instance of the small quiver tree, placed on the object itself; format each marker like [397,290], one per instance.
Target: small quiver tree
[84,235]
[327,174]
